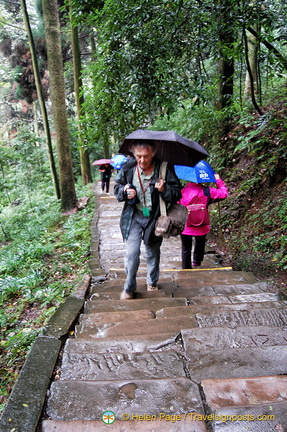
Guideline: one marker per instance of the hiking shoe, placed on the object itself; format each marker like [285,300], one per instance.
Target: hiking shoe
[151,287]
[126,296]
[195,265]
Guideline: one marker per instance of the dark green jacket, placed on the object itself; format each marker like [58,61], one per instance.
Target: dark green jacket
[171,194]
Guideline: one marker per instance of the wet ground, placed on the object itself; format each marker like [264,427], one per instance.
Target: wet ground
[207,352]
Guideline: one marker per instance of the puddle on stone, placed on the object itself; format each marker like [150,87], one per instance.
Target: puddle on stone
[128,391]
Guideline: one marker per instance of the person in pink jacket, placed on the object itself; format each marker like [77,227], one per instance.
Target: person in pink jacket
[195,192]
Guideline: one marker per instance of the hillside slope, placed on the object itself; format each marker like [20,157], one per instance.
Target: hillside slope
[251,231]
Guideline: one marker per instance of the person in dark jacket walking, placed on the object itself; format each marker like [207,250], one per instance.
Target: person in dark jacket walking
[106,173]
[139,185]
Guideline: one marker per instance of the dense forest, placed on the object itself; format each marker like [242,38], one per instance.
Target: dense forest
[76,77]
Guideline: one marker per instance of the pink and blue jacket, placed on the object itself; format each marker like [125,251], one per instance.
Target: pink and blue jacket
[207,195]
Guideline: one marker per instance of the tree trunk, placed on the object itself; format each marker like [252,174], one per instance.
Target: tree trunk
[58,96]
[253,46]
[78,86]
[225,82]
[225,63]
[41,99]
[256,106]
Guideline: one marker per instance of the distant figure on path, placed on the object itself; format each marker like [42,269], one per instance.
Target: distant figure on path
[139,185]
[197,193]
[106,173]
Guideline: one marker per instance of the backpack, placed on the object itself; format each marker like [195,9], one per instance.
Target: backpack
[198,211]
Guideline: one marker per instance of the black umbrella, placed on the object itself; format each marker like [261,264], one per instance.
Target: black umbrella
[170,146]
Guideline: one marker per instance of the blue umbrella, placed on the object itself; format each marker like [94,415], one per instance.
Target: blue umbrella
[200,173]
[118,160]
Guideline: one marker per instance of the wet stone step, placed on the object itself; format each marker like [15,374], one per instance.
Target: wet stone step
[213,290]
[118,265]
[116,276]
[112,243]
[220,393]
[110,236]
[110,213]
[116,255]
[174,263]
[154,304]
[169,289]
[86,400]
[172,324]
[235,318]
[261,316]
[112,282]
[115,243]
[160,423]
[149,343]
[220,338]
[203,277]
[237,362]
[213,277]
[206,299]
[111,317]
[242,298]
[173,311]
[214,308]
[241,288]
[116,285]
[261,297]
[165,275]
[138,295]
[255,418]
[196,290]
[120,366]
[216,299]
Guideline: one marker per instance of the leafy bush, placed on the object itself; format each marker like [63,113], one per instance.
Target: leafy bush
[40,264]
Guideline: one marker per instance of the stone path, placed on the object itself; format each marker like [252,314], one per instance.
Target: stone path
[207,352]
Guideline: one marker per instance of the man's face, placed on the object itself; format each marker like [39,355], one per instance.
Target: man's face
[144,156]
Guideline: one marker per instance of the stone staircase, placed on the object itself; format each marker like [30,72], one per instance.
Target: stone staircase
[207,352]
[216,350]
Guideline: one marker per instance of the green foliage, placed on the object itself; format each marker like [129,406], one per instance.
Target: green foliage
[273,241]
[195,120]
[154,56]
[24,165]
[40,266]
[145,64]
[42,252]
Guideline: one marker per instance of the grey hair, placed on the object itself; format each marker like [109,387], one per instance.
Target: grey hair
[142,144]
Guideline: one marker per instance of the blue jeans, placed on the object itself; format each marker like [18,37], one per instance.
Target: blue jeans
[132,257]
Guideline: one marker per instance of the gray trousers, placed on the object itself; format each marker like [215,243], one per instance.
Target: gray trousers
[132,256]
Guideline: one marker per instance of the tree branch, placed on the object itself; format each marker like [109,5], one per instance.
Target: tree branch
[250,74]
[268,45]
[12,25]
